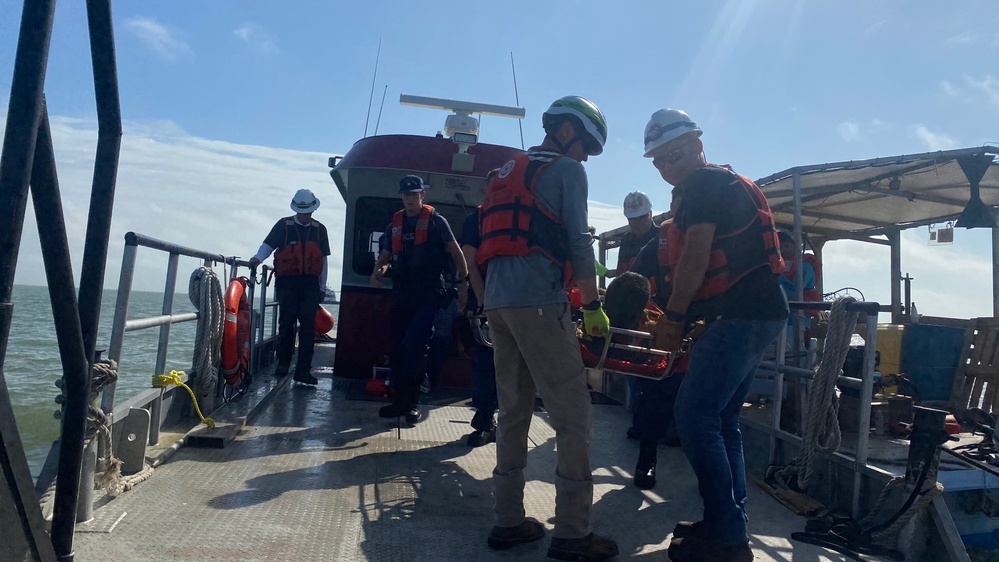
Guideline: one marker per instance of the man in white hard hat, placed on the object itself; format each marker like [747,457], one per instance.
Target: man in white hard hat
[534,225]
[641,229]
[301,246]
[723,259]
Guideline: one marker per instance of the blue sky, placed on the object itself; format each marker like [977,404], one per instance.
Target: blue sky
[231,106]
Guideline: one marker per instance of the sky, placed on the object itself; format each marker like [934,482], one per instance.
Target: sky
[230,107]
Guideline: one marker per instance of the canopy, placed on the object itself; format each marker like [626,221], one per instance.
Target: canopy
[858,199]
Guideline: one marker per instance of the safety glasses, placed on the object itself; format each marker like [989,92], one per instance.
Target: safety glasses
[671,157]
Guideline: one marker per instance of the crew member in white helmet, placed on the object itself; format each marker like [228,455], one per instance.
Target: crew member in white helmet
[301,247]
[638,211]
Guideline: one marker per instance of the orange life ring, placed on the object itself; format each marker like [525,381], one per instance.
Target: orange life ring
[236,333]
[324,321]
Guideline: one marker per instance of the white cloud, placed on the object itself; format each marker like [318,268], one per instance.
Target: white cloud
[987,86]
[257,38]
[950,89]
[962,39]
[849,130]
[934,141]
[159,38]
[210,195]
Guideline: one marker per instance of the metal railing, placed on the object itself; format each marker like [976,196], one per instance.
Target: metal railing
[121,325]
[865,384]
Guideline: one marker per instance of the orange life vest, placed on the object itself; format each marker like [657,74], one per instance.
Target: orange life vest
[511,221]
[735,254]
[422,228]
[299,257]
[813,294]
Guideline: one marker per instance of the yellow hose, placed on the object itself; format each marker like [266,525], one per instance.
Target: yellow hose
[163,381]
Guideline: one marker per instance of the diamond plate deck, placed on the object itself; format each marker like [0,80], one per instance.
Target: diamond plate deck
[318,477]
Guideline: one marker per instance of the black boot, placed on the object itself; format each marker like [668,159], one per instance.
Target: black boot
[645,472]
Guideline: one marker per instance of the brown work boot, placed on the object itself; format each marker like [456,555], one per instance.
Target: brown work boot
[591,548]
[502,538]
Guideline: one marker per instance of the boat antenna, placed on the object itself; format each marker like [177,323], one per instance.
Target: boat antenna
[380,108]
[517,99]
[372,95]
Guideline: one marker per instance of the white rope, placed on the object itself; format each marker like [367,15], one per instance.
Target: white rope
[821,420]
[205,292]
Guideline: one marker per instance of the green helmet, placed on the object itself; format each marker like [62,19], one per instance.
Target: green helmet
[587,114]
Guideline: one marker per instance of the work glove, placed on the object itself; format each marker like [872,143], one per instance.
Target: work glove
[601,268]
[596,323]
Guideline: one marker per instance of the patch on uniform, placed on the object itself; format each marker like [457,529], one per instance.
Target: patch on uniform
[662,243]
[422,224]
[506,169]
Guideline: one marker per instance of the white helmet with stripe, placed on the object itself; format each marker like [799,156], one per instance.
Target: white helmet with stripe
[666,125]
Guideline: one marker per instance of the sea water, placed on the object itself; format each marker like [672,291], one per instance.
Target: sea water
[32,363]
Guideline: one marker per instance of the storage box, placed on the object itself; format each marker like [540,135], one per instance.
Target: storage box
[889,343]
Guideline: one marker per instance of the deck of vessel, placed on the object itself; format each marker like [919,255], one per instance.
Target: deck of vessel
[319,476]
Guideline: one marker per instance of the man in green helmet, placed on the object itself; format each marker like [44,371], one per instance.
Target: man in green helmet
[535,242]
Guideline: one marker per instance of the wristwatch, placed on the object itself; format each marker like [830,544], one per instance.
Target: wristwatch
[674,316]
[592,305]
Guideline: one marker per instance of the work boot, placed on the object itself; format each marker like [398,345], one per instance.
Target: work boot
[413,414]
[591,548]
[502,538]
[479,438]
[688,529]
[281,370]
[698,548]
[645,472]
[305,377]
[394,410]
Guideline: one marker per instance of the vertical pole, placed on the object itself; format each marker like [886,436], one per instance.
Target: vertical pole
[16,160]
[995,271]
[798,324]
[894,242]
[161,352]
[778,394]
[120,315]
[864,424]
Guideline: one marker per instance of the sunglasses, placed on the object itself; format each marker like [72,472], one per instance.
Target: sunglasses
[671,157]
[590,146]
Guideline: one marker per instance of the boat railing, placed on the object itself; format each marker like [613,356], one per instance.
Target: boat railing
[780,369]
[262,342]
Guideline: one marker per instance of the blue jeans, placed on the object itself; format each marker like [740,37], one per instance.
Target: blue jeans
[722,366]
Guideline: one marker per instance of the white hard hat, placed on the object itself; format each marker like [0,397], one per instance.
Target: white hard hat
[666,125]
[637,204]
[304,201]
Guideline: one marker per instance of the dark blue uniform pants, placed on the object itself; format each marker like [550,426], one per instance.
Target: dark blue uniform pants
[412,328]
[654,408]
[298,301]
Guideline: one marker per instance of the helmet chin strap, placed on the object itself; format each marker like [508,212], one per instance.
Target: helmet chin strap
[564,148]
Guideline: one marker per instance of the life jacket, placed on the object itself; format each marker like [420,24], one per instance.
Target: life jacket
[511,221]
[813,294]
[297,256]
[416,265]
[734,254]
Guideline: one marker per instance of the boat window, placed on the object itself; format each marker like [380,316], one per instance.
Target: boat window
[372,216]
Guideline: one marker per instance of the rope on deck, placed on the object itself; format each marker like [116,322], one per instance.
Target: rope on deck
[821,420]
[205,291]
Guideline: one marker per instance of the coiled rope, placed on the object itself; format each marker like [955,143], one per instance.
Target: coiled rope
[821,421]
[205,292]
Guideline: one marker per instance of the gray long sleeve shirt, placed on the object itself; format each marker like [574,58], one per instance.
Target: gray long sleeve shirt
[534,280]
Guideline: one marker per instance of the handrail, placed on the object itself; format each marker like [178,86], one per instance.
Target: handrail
[865,384]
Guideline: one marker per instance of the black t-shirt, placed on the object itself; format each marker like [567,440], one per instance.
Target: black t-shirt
[421,283]
[277,238]
[714,195]
[631,244]
[470,236]
[281,235]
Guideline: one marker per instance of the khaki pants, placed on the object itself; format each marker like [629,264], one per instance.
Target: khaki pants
[536,349]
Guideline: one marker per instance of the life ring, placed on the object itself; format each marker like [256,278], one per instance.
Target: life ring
[324,321]
[236,333]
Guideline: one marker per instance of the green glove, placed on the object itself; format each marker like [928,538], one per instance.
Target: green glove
[601,268]
[596,323]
